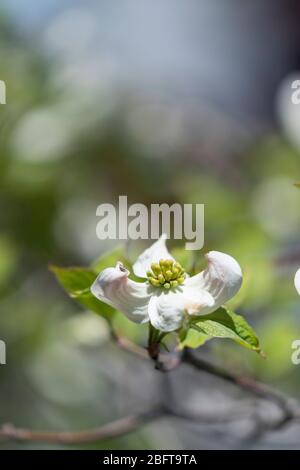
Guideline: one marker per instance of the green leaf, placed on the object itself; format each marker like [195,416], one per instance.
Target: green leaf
[77,282]
[224,323]
[192,339]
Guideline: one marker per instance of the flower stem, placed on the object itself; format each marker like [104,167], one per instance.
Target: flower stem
[154,342]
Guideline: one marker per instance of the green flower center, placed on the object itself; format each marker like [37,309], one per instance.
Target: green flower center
[167,273]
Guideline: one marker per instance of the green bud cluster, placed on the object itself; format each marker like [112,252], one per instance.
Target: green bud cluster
[167,273]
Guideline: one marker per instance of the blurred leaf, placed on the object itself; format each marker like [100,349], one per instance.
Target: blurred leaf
[278,335]
[258,285]
[297,185]
[8,259]
[224,323]
[136,332]
[77,282]
[109,259]
[184,257]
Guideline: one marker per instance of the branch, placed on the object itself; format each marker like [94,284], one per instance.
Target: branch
[125,343]
[246,383]
[114,429]
[290,409]
[163,362]
[111,430]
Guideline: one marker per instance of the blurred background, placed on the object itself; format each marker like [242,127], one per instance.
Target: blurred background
[163,101]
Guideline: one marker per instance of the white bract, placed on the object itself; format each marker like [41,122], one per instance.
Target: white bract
[297,281]
[168,295]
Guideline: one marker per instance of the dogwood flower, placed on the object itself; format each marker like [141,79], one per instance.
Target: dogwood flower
[297,281]
[168,295]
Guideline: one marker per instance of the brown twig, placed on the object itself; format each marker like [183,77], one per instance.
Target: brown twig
[162,362]
[167,362]
[114,429]
[290,410]
[125,343]
[248,384]
[111,430]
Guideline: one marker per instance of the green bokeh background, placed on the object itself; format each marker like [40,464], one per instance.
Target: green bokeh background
[62,153]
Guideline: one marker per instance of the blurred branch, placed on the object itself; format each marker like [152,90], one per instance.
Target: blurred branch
[111,430]
[289,408]
[125,343]
[163,362]
[246,383]
[114,429]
